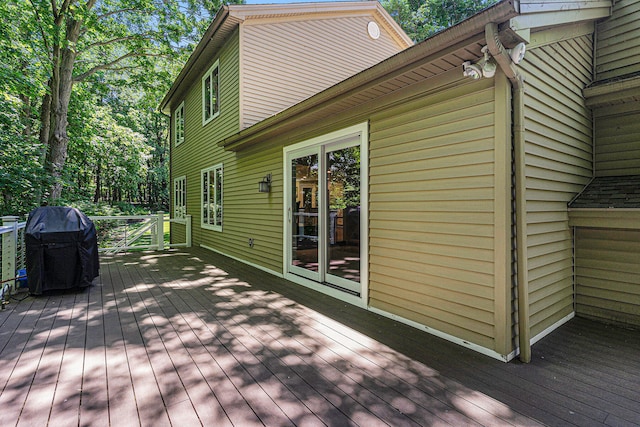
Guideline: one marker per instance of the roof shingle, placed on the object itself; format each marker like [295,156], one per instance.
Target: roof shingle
[622,192]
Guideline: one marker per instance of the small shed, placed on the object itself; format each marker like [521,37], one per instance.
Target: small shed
[62,250]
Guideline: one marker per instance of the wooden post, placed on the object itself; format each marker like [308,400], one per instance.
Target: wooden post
[9,252]
[188,229]
[154,234]
[160,230]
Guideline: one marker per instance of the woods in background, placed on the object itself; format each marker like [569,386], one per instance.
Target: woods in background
[80,82]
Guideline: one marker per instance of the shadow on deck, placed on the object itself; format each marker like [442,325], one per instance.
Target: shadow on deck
[194,338]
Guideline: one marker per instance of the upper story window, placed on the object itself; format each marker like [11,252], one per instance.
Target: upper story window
[180,197]
[210,94]
[178,123]
[212,197]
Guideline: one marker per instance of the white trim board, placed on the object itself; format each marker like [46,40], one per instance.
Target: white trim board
[552,328]
[475,347]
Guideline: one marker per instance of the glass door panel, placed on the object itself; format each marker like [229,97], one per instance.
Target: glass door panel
[343,217]
[305,226]
[324,210]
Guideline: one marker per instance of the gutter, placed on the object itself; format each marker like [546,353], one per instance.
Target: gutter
[401,62]
[499,53]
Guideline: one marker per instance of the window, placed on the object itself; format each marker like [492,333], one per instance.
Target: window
[210,94]
[178,123]
[180,197]
[212,198]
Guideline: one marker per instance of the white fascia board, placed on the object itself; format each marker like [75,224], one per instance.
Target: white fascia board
[550,13]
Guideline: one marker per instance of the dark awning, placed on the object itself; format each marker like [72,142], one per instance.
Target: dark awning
[610,192]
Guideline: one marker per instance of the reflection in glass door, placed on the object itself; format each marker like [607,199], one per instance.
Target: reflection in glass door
[305,228]
[343,216]
[324,213]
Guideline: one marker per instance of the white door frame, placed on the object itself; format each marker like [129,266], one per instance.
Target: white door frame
[332,141]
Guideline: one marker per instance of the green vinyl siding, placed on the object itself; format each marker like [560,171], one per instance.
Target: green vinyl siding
[250,214]
[199,149]
[608,274]
[618,41]
[558,165]
[432,212]
[247,214]
[439,186]
[618,140]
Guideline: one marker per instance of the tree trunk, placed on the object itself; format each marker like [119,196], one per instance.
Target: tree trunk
[26,115]
[61,84]
[45,129]
[96,196]
[58,138]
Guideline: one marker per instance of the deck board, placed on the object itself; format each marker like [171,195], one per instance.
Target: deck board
[189,338]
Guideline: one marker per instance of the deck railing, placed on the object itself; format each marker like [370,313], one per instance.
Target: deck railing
[137,232]
[115,234]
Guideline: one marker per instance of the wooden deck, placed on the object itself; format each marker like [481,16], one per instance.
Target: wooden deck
[193,338]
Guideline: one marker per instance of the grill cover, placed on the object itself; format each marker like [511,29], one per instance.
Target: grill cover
[61,248]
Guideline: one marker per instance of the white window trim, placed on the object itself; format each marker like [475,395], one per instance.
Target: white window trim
[178,139]
[207,74]
[179,210]
[203,224]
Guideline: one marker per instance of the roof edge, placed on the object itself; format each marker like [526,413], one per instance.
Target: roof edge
[618,89]
[499,13]
[259,11]
[243,12]
[221,16]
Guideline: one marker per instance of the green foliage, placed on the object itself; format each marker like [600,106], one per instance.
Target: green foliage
[21,172]
[108,209]
[126,56]
[423,18]
[401,11]
[20,169]
[344,170]
[108,151]
[128,52]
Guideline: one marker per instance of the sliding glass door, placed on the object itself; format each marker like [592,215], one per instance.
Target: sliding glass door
[304,233]
[324,213]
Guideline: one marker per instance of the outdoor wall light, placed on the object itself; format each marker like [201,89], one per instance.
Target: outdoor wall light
[517,53]
[489,69]
[471,70]
[264,186]
[486,67]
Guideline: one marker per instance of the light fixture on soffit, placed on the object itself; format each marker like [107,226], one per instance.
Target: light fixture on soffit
[486,67]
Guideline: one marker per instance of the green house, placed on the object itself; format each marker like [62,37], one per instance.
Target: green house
[429,183]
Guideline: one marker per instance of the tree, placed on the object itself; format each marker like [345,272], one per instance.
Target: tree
[62,62]
[80,38]
[20,154]
[20,168]
[108,159]
[423,18]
